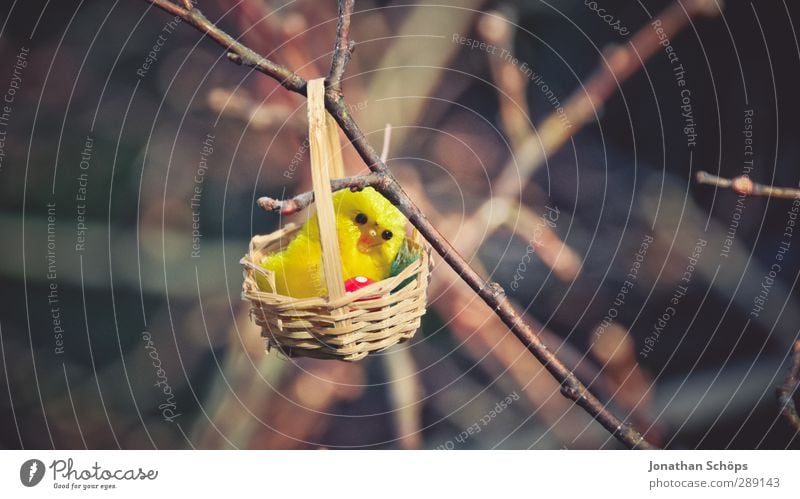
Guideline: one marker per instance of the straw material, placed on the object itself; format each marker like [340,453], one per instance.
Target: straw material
[367,320]
[343,326]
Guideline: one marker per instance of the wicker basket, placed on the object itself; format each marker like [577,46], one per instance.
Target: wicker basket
[343,326]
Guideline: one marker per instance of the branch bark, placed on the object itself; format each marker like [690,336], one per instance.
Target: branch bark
[786,392]
[237,52]
[343,48]
[743,185]
[385,182]
[301,201]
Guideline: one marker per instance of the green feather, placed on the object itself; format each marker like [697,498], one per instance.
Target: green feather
[405,257]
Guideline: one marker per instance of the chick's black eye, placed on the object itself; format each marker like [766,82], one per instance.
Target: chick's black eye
[361,219]
[386,235]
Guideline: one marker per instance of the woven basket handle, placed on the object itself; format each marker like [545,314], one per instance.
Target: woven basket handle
[326,162]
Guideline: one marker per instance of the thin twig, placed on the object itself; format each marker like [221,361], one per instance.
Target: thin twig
[237,52]
[343,48]
[743,185]
[490,292]
[787,390]
[301,201]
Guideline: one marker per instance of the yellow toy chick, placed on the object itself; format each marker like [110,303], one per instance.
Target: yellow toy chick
[371,232]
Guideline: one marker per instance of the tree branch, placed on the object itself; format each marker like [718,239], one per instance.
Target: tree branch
[237,52]
[384,182]
[786,392]
[301,201]
[343,48]
[743,185]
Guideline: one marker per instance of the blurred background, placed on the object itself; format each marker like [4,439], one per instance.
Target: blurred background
[554,143]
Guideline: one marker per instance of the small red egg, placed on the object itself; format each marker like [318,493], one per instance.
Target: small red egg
[356,283]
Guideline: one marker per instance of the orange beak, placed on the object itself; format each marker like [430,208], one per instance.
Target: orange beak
[369,240]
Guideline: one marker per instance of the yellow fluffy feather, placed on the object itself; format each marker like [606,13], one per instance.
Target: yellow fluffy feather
[370,230]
